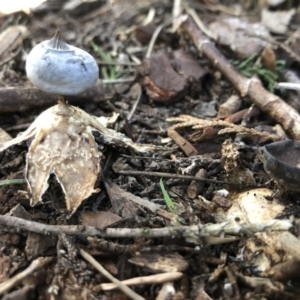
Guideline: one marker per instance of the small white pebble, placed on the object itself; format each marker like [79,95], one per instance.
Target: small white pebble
[222,193]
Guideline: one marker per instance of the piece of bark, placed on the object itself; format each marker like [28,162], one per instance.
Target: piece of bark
[21,99]
[266,101]
[239,115]
[185,146]
[161,82]
[196,187]
[230,106]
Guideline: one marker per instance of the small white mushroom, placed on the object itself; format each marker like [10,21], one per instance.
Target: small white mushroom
[55,67]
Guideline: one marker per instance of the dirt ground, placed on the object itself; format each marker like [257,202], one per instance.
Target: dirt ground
[192,188]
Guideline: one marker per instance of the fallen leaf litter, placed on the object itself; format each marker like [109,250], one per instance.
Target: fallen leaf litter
[68,145]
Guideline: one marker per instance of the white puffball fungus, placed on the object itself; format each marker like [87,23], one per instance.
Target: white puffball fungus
[55,67]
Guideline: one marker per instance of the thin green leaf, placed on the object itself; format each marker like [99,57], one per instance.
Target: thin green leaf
[167,198]
[11,181]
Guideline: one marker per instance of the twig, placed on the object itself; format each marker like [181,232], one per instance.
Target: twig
[266,101]
[289,85]
[175,176]
[33,267]
[191,233]
[152,279]
[129,292]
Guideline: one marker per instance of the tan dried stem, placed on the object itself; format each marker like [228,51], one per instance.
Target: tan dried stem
[151,279]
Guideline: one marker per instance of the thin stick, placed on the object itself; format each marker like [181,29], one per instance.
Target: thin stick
[269,103]
[155,36]
[199,23]
[151,279]
[129,292]
[175,176]
[192,233]
[289,85]
[137,101]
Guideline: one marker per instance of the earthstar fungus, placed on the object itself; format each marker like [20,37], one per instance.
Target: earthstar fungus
[55,67]
[62,140]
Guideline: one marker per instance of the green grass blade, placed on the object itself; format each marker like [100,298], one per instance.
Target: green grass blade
[11,181]
[167,198]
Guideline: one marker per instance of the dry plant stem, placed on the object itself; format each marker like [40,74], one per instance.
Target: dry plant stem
[155,36]
[152,279]
[33,267]
[176,11]
[292,77]
[198,21]
[266,101]
[289,85]
[129,292]
[137,101]
[192,233]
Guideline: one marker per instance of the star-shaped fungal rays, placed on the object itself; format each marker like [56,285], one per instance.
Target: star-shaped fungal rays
[63,145]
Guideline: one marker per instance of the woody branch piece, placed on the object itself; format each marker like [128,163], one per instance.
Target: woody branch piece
[266,101]
[191,233]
